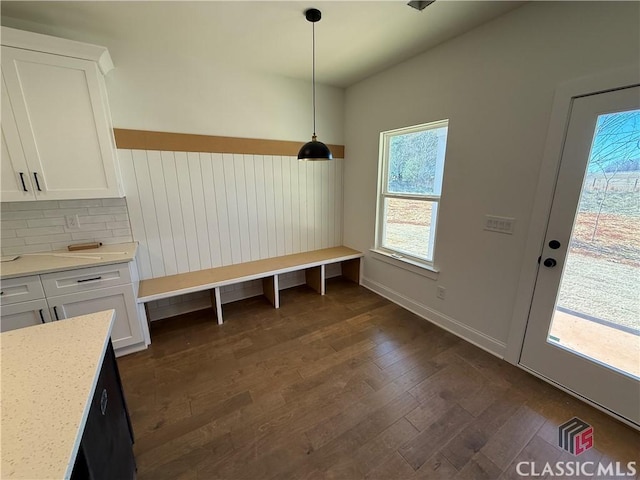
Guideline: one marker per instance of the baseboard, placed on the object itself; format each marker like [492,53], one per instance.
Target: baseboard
[465,332]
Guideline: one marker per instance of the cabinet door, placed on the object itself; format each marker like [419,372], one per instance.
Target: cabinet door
[25,314]
[15,180]
[126,329]
[106,450]
[63,124]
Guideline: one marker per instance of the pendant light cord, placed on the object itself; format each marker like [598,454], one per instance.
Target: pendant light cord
[313,74]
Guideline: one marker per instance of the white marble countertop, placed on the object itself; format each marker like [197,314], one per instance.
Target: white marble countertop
[47,262]
[49,374]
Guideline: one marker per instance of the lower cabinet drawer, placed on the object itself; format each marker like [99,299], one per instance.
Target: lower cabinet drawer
[84,279]
[22,289]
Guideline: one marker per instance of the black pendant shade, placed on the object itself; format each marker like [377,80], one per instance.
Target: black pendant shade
[314,150]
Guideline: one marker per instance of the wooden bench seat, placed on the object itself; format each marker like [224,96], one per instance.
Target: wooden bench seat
[268,270]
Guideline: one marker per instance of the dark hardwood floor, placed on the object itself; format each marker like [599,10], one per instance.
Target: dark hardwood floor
[343,386]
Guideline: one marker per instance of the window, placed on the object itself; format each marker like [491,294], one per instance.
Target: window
[410,184]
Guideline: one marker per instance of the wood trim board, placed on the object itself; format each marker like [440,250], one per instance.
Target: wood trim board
[187,142]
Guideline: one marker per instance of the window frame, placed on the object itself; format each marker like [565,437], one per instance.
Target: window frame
[383,194]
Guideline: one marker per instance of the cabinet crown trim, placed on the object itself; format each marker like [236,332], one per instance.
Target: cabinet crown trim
[38,42]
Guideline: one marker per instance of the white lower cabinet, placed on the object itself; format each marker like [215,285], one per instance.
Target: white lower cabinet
[126,329]
[36,299]
[24,314]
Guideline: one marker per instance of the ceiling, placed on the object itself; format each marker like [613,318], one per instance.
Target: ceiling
[354,39]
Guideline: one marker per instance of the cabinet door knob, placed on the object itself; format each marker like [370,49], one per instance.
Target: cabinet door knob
[550,262]
[24,186]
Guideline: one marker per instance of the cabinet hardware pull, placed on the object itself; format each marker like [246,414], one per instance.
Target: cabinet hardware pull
[35,176]
[89,279]
[24,187]
[1,293]
[55,312]
[41,316]
[103,402]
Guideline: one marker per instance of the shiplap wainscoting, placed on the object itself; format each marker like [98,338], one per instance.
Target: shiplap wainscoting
[191,211]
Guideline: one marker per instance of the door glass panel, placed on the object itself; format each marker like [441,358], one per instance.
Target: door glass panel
[597,313]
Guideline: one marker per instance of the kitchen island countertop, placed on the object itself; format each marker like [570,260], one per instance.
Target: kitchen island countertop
[49,374]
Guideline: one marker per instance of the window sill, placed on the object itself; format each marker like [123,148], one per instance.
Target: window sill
[405,264]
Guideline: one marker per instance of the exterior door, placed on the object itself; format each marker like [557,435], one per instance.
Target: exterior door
[583,330]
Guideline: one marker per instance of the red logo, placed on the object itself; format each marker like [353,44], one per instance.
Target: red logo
[575,436]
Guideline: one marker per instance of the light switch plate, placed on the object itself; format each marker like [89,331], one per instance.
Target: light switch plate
[493,223]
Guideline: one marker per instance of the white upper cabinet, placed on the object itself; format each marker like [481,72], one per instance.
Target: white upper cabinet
[54,98]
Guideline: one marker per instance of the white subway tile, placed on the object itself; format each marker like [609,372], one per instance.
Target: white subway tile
[96,219]
[114,225]
[28,232]
[46,222]
[12,242]
[115,240]
[121,232]
[13,224]
[26,249]
[92,202]
[35,240]
[61,212]
[8,233]
[37,205]
[107,210]
[92,236]
[87,227]
[114,202]
[21,215]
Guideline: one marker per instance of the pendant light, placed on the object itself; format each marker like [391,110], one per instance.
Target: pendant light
[314,150]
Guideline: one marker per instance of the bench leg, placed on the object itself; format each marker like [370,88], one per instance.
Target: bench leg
[314,277]
[351,270]
[271,290]
[216,304]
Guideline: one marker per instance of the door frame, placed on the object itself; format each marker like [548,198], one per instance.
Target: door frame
[554,145]
[558,124]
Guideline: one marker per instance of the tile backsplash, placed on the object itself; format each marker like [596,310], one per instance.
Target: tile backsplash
[28,227]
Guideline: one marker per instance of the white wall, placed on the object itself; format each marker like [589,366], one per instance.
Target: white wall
[185,94]
[495,84]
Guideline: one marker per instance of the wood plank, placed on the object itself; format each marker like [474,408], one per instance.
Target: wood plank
[185,142]
[351,270]
[315,278]
[153,289]
[228,402]
[270,290]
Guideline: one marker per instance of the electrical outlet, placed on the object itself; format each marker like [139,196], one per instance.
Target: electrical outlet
[499,224]
[441,292]
[73,223]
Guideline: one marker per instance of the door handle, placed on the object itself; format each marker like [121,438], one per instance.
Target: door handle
[24,186]
[41,316]
[550,262]
[35,176]
[55,312]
